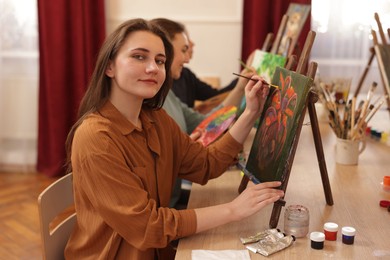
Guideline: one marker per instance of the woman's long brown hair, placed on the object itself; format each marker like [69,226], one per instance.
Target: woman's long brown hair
[99,87]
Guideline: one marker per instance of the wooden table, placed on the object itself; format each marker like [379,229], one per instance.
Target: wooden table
[356,192]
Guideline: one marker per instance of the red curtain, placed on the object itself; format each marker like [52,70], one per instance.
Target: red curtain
[70,35]
[264,16]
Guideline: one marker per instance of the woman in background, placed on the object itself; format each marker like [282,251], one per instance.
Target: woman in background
[187,118]
[189,88]
[126,153]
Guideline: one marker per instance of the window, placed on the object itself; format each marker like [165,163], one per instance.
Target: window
[343,39]
[18,82]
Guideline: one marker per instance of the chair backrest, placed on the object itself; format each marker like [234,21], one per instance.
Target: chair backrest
[53,201]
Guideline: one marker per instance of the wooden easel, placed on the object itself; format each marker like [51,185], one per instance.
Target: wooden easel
[372,55]
[311,100]
[271,45]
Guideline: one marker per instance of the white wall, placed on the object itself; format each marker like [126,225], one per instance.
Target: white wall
[215,26]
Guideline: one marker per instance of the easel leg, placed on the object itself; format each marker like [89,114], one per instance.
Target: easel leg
[276,210]
[243,184]
[320,153]
[361,80]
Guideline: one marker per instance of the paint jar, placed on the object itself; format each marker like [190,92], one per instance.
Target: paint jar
[384,137]
[330,230]
[317,240]
[348,235]
[296,220]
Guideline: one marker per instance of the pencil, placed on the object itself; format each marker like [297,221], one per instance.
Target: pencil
[264,82]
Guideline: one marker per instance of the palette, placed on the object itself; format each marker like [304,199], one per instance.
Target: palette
[216,124]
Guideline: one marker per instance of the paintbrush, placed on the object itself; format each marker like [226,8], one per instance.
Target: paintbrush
[247,173]
[368,99]
[353,115]
[263,81]
[244,65]
[346,119]
[370,115]
[361,124]
[366,103]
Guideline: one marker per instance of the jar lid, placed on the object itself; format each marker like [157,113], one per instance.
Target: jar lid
[317,236]
[386,180]
[330,226]
[297,208]
[384,203]
[348,231]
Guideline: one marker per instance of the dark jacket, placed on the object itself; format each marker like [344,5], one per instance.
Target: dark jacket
[189,88]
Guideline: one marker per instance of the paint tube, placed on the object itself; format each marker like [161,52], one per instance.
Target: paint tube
[271,243]
[259,236]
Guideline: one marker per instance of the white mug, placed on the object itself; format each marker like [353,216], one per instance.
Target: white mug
[348,151]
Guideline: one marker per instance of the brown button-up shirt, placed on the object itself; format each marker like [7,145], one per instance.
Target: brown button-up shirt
[123,179]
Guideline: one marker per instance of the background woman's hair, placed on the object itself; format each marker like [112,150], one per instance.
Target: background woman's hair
[169,26]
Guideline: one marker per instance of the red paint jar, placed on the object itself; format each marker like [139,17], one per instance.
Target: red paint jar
[330,230]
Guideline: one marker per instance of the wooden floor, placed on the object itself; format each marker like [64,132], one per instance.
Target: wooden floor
[19,225]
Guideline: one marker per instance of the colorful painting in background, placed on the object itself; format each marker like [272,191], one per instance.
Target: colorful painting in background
[278,124]
[216,124]
[297,16]
[265,63]
[209,104]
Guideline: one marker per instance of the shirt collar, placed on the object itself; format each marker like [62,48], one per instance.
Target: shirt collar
[110,112]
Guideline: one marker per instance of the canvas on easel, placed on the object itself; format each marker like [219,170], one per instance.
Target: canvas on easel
[297,16]
[382,52]
[293,105]
[278,124]
[265,63]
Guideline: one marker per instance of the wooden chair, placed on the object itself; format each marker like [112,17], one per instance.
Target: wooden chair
[52,203]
